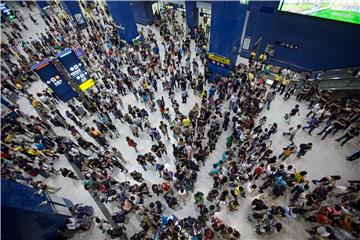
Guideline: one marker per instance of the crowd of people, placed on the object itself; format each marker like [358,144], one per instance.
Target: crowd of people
[248,168]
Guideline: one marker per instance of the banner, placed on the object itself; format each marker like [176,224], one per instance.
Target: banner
[48,73]
[76,69]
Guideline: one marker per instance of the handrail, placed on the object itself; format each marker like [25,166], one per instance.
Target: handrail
[326,79]
[333,70]
[274,59]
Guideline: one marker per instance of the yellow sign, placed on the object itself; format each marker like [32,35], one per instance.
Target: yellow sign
[87,84]
[218,58]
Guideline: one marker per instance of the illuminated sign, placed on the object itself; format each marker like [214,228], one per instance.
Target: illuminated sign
[76,69]
[86,85]
[48,73]
[7,11]
[219,59]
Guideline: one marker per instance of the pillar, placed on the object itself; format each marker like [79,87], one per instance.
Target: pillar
[227,22]
[192,16]
[42,5]
[73,9]
[143,12]
[122,14]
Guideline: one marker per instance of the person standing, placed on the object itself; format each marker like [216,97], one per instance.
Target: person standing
[163,129]
[269,98]
[33,19]
[184,96]
[277,79]
[284,83]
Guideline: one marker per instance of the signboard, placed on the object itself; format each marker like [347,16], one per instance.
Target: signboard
[219,59]
[78,50]
[48,73]
[286,45]
[202,14]
[76,69]
[8,13]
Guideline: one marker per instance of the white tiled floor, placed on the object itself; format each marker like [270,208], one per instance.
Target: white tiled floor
[326,158]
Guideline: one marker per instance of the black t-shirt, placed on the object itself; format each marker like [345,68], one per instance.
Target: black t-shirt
[294,111]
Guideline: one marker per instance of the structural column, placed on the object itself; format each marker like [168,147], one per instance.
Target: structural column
[74,10]
[192,16]
[143,12]
[227,22]
[42,5]
[123,17]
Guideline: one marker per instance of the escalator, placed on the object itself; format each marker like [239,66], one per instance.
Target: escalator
[334,79]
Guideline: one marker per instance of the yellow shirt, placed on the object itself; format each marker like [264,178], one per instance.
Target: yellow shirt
[146,86]
[286,82]
[277,77]
[186,122]
[298,177]
[250,76]
[262,57]
[253,54]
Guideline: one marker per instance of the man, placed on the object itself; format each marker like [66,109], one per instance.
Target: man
[284,83]
[277,79]
[292,132]
[293,112]
[269,98]
[348,136]
[164,130]
[304,148]
[313,123]
[354,156]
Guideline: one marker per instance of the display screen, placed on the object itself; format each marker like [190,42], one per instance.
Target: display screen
[76,69]
[48,73]
[339,10]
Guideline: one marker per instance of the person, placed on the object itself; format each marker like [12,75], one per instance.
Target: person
[293,112]
[313,123]
[269,98]
[252,56]
[287,152]
[262,58]
[303,149]
[277,79]
[131,143]
[68,173]
[164,130]
[284,83]
[184,96]
[33,19]
[292,132]
[183,194]
[354,156]
[348,136]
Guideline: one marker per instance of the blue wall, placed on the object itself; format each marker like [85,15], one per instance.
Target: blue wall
[73,9]
[323,44]
[21,216]
[143,12]
[192,16]
[227,20]
[123,16]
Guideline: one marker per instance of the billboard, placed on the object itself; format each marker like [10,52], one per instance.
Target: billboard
[70,61]
[48,73]
[339,10]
